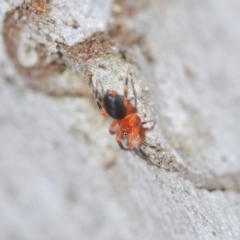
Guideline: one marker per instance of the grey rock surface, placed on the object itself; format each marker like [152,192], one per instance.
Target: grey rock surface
[55,182]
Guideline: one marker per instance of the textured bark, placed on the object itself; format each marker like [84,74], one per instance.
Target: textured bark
[62,176]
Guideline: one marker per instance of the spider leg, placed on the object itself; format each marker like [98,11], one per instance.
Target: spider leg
[99,101]
[148,129]
[97,97]
[113,126]
[119,135]
[148,145]
[126,84]
[134,92]
[126,87]
[147,121]
[89,80]
[134,137]
[141,153]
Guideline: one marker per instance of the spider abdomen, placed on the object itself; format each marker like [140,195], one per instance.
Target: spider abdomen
[114,105]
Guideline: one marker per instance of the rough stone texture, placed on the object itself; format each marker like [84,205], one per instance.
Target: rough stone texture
[55,182]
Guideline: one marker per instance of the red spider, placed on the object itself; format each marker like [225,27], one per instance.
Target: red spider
[126,120]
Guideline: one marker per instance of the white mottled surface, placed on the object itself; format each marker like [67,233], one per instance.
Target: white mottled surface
[52,183]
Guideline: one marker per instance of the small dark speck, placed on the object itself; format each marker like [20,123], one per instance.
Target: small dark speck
[9,79]
[102,66]
[189,72]
[72,194]
[123,55]
[120,79]
[224,158]
[57,144]
[3,121]
[71,21]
